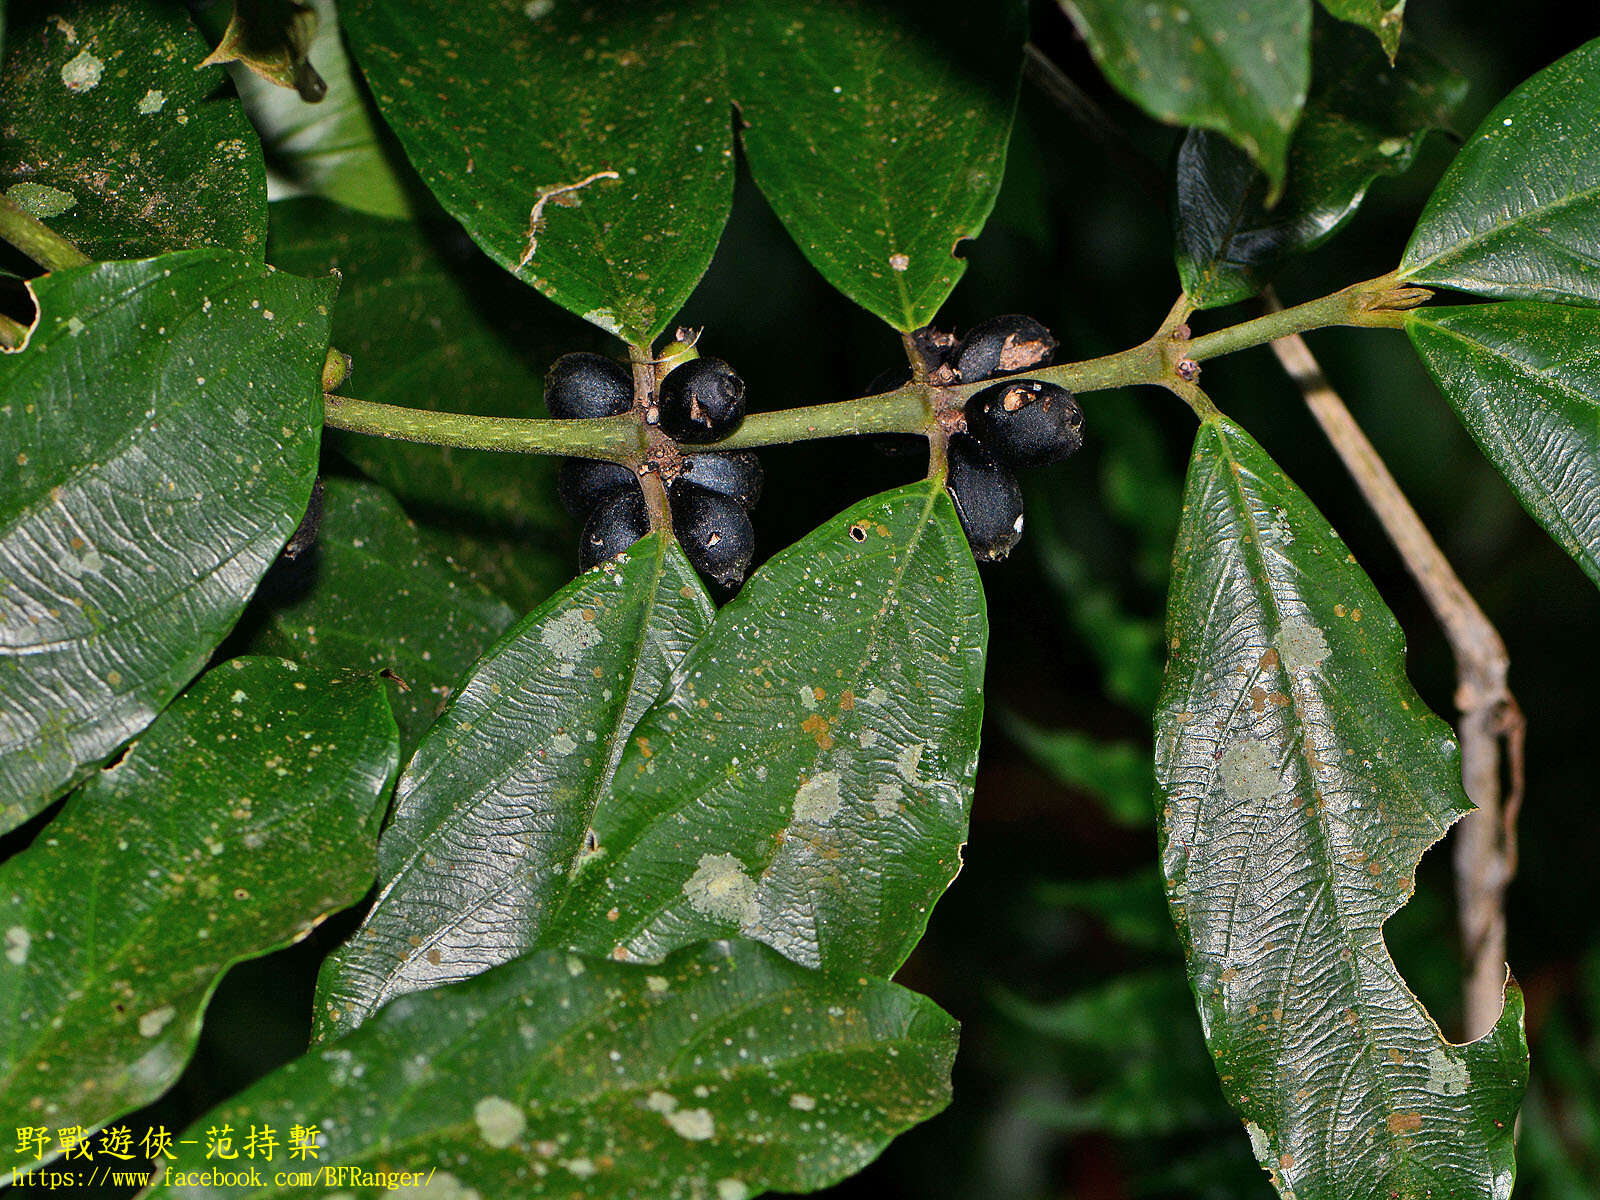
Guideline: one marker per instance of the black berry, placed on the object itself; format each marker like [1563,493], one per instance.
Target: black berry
[702,401]
[1002,345]
[582,483]
[715,533]
[986,497]
[587,385]
[1028,423]
[736,474]
[305,533]
[618,522]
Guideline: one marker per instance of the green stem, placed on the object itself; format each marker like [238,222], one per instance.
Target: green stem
[36,239]
[614,439]
[1168,359]
[1376,303]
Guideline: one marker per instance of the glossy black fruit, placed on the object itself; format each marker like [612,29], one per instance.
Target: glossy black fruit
[587,385]
[1028,423]
[1002,345]
[582,483]
[702,401]
[986,497]
[715,533]
[305,533]
[736,474]
[618,522]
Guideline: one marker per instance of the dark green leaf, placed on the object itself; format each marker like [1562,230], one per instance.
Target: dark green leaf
[1117,774]
[375,594]
[1518,212]
[1303,780]
[877,147]
[508,108]
[104,106]
[160,429]
[1525,380]
[1239,67]
[245,815]
[1382,17]
[493,812]
[1133,1037]
[431,324]
[328,148]
[807,776]
[1364,119]
[722,1073]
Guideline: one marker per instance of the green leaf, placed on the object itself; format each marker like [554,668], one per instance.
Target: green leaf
[806,778]
[506,109]
[376,594]
[1524,379]
[160,429]
[104,105]
[1518,212]
[331,147]
[493,812]
[878,149]
[431,324]
[1239,67]
[1117,774]
[1303,779]
[245,815]
[1364,119]
[1383,18]
[722,1073]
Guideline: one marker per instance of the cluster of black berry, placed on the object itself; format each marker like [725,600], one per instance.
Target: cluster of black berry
[701,400]
[1018,423]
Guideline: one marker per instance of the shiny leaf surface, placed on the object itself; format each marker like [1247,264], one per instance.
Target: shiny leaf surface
[245,815]
[1303,779]
[1524,379]
[877,148]
[374,593]
[586,147]
[493,812]
[1240,67]
[724,1072]
[1364,119]
[806,778]
[1518,212]
[161,440]
[104,107]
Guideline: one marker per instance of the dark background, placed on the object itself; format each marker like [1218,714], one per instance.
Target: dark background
[1090,1101]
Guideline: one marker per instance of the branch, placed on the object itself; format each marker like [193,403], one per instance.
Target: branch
[36,239]
[1485,840]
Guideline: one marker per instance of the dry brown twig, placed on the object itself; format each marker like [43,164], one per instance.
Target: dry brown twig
[1490,723]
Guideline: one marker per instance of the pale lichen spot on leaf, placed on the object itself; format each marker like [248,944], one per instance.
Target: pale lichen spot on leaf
[818,799]
[1301,645]
[152,102]
[82,73]
[18,942]
[1447,1076]
[732,1189]
[500,1123]
[801,1102]
[721,890]
[1247,771]
[157,1019]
